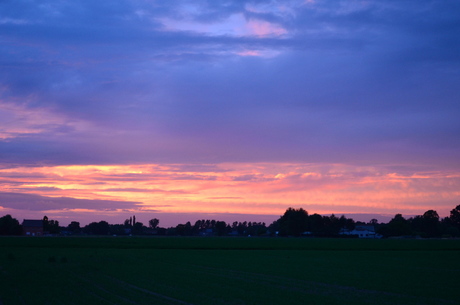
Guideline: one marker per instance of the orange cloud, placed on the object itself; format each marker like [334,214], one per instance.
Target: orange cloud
[230,188]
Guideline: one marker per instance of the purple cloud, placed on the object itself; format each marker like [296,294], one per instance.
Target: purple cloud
[347,82]
[31,202]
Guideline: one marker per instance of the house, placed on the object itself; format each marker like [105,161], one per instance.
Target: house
[32,227]
[207,232]
[362,231]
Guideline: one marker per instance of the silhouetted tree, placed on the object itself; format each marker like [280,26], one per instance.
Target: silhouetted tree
[373,222]
[316,224]
[51,226]
[293,222]
[153,223]
[196,227]
[97,228]
[398,226]
[430,224]
[74,227]
[256,229]
[332,225]
[242,228]
[180,229]
[427,225]
[221,228]
[448,228]
[346,223]
[188,228]
[455,217]
[9,226]
[138,228]
[118,229]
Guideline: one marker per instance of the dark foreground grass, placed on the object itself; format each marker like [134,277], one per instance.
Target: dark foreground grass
[228,271]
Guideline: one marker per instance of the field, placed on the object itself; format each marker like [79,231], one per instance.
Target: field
[176,270]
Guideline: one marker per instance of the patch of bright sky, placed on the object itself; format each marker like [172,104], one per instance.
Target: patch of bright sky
[234,25]
[242,188]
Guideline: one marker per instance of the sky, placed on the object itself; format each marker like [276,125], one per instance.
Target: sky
[229,110]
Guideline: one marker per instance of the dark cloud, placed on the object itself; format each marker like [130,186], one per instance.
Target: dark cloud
[31,202]
[40,189]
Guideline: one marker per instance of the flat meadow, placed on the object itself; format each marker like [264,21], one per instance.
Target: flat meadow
[227,270]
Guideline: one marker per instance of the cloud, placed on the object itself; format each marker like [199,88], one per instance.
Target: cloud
[22,121]
[144,190]
[31,202]
[224,198]
[194,82]
[235,25]
[246,188]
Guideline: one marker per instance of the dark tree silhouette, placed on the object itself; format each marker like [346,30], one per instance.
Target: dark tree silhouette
[138,228]
[293,222]
[153,223]
[97,228]
[448,228]
[51,226]
[332,225]
[316,223]
[455,216]
[430,224]
[373,221]
[221,228]
[74,227]
[398,226]
[9,226]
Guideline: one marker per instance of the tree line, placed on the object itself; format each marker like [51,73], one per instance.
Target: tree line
[294,222]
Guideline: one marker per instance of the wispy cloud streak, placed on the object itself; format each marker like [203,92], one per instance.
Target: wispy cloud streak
[232,188]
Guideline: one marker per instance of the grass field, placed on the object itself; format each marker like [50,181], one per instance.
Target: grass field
[175,270]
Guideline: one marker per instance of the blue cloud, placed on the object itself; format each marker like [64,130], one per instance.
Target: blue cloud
[350,82]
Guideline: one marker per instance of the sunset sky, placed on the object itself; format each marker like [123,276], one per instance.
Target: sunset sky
[229,110]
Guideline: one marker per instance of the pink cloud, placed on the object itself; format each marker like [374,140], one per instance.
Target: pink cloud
[17,120]
[241,188]
[249,53]
[262,28]
[259,53]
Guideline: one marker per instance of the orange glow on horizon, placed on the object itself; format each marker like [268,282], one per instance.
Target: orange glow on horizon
[258,188]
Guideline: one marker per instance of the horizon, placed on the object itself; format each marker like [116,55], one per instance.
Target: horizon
[228,108]
[181,218]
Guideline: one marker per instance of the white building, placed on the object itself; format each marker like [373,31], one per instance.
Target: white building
[362,231]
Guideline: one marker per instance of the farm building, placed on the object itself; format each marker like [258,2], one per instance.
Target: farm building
[32,227]
[362,231]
